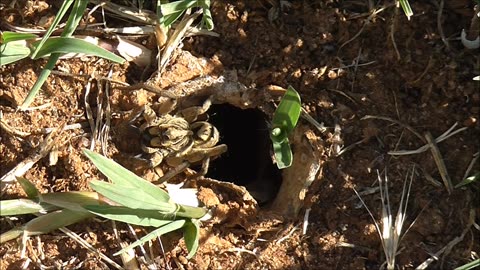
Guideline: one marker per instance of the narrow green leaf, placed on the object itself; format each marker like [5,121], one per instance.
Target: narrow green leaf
[132,216]
[123,177]
[23,206]
[73,45]
[283,154]
[172,226]
[470,265]
[468,180]
[73,200]
[288,111]
[74,17]
[132,197]
[168,20]
[72,22]
[406,8]
[190,211]
[12,52]
[207,19]
[52,221]
[40,80]
[45,224]
[178,6]
[11,234]
[191,234]
[61,12]
[29,188]
[8,36]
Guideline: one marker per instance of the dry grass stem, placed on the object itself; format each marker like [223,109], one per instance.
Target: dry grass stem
[86,245]
[450,244]
[41,151]
[391,230]
[305,221]
[471,164]
[392,34]
[447,134]
[174,41]
[437,156]
[319,126]
[439,24]
[396,122]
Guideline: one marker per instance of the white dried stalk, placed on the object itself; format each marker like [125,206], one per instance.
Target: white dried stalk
[391,231]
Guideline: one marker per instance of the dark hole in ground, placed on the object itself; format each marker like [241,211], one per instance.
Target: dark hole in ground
[247,161]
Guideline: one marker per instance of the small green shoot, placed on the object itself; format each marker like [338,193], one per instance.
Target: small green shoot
[406,8]
[284,121]
[469,180]
[471,265]
[171,12]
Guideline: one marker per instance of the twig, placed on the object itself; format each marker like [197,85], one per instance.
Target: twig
[174,41]
[437,156]
[396,122]
[289,234]
[471,164]
[392,34]
[86,245]
[427,68]
[439,25]
[320,126]
[447,134]
[372,14]
[136,15]
[10,130]
[41,151]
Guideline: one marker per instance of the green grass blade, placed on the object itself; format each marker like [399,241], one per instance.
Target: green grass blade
[406,8]
[132,216]
[207,19]
[8,36]
[29,188]
[468,180]
[123,177]
[73,200]
[191,235]
[11,234]
[132,197]
[45,224]
[23,206]
[168,20]
[190,211]
[470,265]
[40,80]
[73,20]
[172,226]
[52,221]
[12,52]
[73,45]
[60,14]
[178,6]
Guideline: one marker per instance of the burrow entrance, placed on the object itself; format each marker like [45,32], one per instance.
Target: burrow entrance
[248,161]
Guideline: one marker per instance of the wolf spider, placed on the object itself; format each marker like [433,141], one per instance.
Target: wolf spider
[180,140]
